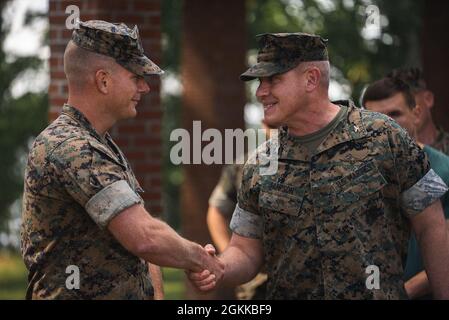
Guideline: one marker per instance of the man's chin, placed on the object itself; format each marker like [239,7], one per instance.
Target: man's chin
[273,123]
[130,113]
[133,113]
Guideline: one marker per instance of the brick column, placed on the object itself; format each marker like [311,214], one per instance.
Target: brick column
[139,138]
[213,56]
[435,53]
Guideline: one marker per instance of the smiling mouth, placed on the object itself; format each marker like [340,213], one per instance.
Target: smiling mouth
[269,106]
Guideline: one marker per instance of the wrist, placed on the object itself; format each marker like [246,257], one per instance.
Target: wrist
[195,257]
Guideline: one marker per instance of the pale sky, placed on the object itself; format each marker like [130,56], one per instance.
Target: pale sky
[24,41]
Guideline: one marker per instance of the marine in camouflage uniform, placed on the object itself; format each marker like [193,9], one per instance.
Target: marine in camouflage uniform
[76,181]
[324,218]
[326,215]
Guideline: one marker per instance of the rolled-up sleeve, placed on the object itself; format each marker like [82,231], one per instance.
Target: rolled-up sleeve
[423,193]
[110,201]
[92,177]
[246,224]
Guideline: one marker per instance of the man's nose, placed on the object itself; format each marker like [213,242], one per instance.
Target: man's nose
[263,89]
[144,88]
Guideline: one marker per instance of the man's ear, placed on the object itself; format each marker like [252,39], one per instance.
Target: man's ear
[313,77]
[428,98]
[103,81]
[417,112]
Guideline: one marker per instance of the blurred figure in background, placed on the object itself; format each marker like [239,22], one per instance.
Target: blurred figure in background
[396,98]
[427,132]
[222,203]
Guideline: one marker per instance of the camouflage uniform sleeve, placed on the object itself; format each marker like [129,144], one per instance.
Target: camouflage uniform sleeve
[420,186]
[246,220]
[224,196]
[95,181]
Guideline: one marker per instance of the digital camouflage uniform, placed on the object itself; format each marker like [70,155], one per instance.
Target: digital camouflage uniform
[281,52]
[76,182]
[324,217]
[117,41]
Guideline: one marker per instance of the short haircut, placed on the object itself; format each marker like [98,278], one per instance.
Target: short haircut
[386,88]
[412,76]
[80,64]
[324,68]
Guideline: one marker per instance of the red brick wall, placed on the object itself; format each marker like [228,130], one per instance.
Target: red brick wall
[435,53]
[139,138]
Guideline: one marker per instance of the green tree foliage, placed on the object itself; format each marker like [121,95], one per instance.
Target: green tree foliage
[359,59]
[171,25]
[21,118]
[171,49]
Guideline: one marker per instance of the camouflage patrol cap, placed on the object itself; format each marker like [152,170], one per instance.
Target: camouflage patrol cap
[281,52]
[118,41]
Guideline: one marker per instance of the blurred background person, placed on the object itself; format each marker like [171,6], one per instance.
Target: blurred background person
[222,203]
[427,131]
[395,98]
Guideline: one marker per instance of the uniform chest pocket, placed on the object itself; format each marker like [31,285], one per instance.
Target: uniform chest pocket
[362,183]
[281,199]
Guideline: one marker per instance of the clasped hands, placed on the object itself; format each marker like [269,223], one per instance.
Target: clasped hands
[212,273]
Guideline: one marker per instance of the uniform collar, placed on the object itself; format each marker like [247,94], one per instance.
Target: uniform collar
[352,128]
[79,117]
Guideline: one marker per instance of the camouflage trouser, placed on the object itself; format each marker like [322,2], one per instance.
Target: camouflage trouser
[253,290]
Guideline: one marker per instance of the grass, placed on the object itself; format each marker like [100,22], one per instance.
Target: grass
[173,284]
[13,279]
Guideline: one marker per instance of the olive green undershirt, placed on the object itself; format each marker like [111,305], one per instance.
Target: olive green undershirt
[313,140]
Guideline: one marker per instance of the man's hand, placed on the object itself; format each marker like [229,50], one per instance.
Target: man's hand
[212,274]
[238,264]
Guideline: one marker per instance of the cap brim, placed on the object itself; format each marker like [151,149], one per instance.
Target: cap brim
[142,66]
[263,69]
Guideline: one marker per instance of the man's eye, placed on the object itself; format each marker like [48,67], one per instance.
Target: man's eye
[394,114]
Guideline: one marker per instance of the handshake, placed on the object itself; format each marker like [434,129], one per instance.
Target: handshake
[212,271]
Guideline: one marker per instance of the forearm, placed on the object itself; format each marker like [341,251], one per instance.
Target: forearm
[157,281]
[418,286]
[435,249]
[164,247]
[154,241]
[242,262]
[432,235]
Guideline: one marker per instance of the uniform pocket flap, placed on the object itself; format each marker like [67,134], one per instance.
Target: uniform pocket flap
[365,180]
[281,198]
